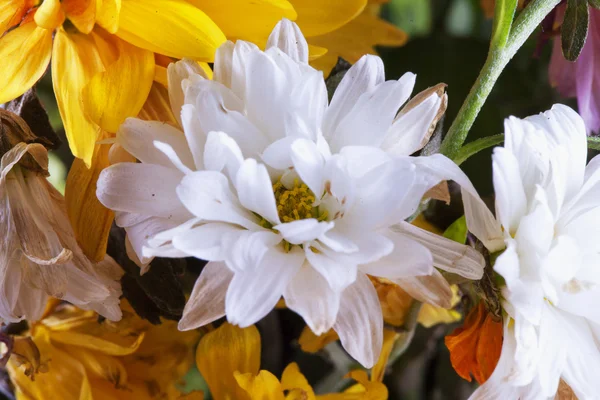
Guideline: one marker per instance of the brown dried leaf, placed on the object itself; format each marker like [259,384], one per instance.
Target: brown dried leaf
[439,192]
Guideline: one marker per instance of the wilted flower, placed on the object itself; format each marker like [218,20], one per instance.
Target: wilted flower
[70,355]
[286,194]
[229,360]
[548,211]
[580,78]
[103,52]
[40,256]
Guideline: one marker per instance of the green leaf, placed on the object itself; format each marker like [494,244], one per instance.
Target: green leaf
[503,19]
[594,3]
[593,143]
[574,28]
[457,231]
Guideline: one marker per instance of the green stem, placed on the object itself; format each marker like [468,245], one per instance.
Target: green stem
[476,146]
[593,143]
[498,58]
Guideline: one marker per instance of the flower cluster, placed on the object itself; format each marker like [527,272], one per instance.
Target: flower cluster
[260,169]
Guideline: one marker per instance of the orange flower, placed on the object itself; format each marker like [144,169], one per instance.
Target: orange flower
[475,347]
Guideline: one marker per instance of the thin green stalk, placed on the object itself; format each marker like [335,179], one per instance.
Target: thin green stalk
[501,52]
[593,143]
[476,146]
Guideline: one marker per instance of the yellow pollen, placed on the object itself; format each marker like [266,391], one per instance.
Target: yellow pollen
[294,204]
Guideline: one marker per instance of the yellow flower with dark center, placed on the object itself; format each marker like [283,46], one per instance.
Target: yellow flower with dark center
[71,355]
[229,360]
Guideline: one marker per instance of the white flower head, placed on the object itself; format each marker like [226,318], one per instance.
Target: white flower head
[548,214]
[40,255]
[287,194]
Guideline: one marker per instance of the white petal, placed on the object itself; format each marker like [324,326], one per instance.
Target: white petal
[222,152]
[138,137]
[511,203]
[241,52]
[309,163]
[372,115]
[309,295]
[207,301]
[207,195]
[335,269]
[224,63]
[432,289]
[287,36]
[408,258]
[362,159]
[168,151]
[480,221]
[194,134]
[362,77]
[245,250]
[278,154]
[409,132]
[255,190]
[176,73]
[359,322]
[254,292]
[447,254]
[140,188]
[304,230]
[204,241]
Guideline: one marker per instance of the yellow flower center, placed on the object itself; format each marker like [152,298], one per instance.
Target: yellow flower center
[294,204]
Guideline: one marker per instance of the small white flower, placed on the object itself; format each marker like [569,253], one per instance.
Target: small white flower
[40,256]
[548,214]
[286,194]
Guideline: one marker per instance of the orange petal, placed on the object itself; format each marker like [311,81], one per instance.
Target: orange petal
[12,12]
[389,339]
[489,347]
[463,343]
[25,54]
[91,221]
[110,97]
[157,106]
[311,343]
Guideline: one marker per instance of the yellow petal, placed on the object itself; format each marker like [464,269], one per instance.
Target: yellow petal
[315,52]
[11,13]
[109,343]
[325,63]
[91,221]
[311,343]
[75,59]
[247,20]
[171,27]
[359,36]
[49,14]
[25,53]
[82,13]
[431,315]
[263,386]
[102,366]
[389,338]
[224,351]
[317,17]
[121,90]
[157,106]
[293,380]
[107,14]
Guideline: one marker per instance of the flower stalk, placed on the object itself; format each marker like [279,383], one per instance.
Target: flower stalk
[507,39]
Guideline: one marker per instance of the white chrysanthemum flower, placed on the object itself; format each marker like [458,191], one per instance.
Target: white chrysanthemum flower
[40,256]
[548,207]
[287,195]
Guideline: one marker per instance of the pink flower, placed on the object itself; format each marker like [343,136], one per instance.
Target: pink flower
[581,78]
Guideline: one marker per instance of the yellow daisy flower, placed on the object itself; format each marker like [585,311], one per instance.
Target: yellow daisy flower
[71,355]
[229,360]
